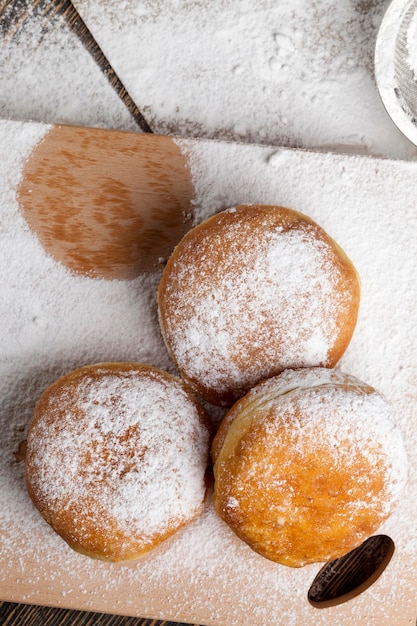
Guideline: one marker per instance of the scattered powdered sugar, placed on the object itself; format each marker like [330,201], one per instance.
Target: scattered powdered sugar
[130,443]
[49,76]
[312,460]
[343,418]
[53,321]
[272,301]
[309,417]
[305,378]
[297,74]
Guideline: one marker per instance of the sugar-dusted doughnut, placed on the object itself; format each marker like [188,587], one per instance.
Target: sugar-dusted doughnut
[116,458]
[252,291]
[308,465]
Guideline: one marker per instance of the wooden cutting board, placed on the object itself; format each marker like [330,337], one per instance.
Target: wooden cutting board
[107,204]
[111,205]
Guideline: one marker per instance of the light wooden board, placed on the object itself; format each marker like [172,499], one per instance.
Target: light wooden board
[104,203]
[205,574]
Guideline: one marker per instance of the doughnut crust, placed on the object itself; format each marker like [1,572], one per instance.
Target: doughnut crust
[116,458]
[308,465]
[250,292]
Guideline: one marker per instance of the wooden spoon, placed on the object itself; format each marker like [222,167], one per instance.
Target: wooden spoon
[107,204]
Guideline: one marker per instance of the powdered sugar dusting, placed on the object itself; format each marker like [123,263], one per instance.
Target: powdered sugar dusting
[281,284]
[41,79]
[343,418]
[324,458]
[296,74]
[53,322]
[288,381]
[133,443]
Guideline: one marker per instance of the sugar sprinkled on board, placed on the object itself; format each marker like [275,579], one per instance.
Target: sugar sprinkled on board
[53,321]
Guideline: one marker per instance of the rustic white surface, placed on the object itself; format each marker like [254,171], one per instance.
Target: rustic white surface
[294,73]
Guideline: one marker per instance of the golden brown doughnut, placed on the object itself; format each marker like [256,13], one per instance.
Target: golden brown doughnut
[116,458]
[308,465]
[250,292]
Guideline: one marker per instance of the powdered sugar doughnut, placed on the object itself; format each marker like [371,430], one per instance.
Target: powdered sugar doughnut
[250,292]
[308,465]
[116,458]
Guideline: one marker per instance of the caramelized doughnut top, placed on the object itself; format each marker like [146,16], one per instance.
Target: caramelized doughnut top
[117,455]
[308,465]
[252,291]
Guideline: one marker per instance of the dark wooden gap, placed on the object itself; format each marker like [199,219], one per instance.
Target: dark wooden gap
[12,614]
